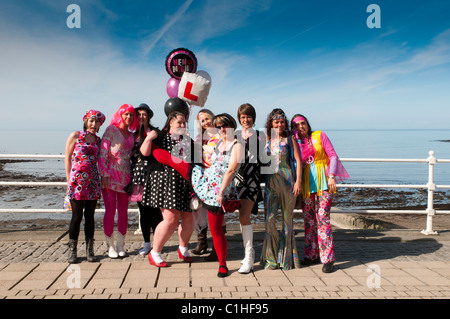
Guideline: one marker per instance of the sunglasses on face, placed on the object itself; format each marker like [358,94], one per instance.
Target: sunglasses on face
[219,127]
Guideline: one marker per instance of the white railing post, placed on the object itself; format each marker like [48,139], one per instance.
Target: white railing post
[431,188]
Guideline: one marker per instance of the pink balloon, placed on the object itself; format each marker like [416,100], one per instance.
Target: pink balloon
[172,87]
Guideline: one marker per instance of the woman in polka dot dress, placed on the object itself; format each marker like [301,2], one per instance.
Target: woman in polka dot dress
[169,190]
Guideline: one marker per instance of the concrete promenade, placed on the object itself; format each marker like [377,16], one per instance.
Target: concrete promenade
[370,264]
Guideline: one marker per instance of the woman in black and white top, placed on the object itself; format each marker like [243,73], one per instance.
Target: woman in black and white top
[248,179]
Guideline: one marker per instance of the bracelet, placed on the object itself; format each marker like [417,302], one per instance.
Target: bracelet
[331,177]
[220,194]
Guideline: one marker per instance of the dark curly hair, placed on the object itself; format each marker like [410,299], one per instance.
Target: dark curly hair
[276,114]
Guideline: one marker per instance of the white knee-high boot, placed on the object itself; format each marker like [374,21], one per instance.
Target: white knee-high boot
[247,238]
[120,245]
[110,243]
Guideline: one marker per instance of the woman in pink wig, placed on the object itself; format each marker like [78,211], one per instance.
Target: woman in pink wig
[115,171]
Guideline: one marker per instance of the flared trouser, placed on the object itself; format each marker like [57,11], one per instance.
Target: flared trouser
[279,248]
[318,233]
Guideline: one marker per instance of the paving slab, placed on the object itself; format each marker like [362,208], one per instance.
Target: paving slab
[370,264]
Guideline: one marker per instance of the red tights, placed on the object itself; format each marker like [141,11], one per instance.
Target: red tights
[219,240]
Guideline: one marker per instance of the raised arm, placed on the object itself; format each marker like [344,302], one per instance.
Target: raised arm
[146,147]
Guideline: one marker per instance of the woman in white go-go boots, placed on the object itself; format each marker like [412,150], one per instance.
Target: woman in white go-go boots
[248,180]
[115,171]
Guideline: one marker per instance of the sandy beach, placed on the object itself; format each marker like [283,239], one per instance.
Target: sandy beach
[346,198]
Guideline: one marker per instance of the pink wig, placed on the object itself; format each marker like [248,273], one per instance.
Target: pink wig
[117,119]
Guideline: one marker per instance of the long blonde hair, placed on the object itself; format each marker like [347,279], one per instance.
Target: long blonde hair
[199,125]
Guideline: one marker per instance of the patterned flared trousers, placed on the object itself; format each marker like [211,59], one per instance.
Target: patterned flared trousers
[318,233]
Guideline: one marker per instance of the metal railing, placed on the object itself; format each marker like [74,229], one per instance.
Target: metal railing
[430,186]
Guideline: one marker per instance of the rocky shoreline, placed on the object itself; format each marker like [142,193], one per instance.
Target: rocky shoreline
[346,198]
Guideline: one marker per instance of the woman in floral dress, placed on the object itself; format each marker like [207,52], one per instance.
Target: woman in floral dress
[207,139]
[83,182]
[215,186]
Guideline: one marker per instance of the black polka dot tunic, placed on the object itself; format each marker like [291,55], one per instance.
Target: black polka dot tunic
[166,188]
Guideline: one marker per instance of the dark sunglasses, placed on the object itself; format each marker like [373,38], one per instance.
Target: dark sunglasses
[221,126]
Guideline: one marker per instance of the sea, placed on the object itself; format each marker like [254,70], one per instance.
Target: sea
[348,144]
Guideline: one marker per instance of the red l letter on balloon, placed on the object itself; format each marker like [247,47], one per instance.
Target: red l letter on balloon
[188,90]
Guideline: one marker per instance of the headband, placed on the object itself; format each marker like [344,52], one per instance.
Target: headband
[299,118]
[279,116]
[99,116]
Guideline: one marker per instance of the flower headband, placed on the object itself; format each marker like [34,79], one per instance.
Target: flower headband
[96,114]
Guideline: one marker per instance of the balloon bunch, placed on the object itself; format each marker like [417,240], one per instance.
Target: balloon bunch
[186,85]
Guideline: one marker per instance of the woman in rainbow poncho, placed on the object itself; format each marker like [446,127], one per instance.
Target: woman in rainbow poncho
[321,168]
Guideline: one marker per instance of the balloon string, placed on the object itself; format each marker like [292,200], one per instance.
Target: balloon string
[191,109]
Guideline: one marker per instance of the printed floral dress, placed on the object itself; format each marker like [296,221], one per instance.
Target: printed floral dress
[84,182]
[207,182]
[114,158]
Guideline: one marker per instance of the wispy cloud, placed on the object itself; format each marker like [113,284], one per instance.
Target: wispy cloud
[52,81]
[154,38]
[212,18]
[220,17]
[366,81]
[437,53]
[300,33]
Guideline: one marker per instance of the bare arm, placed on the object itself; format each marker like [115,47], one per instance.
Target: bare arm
[146,147]
[298,182]
[70,146]
[237,154]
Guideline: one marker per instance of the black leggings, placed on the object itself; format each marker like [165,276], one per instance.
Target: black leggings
[150,218]
[77,215]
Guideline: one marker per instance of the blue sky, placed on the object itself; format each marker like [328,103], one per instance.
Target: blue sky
[318,58]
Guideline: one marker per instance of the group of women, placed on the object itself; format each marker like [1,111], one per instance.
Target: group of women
[173,177]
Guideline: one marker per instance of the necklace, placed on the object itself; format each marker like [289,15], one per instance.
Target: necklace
[278,146]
